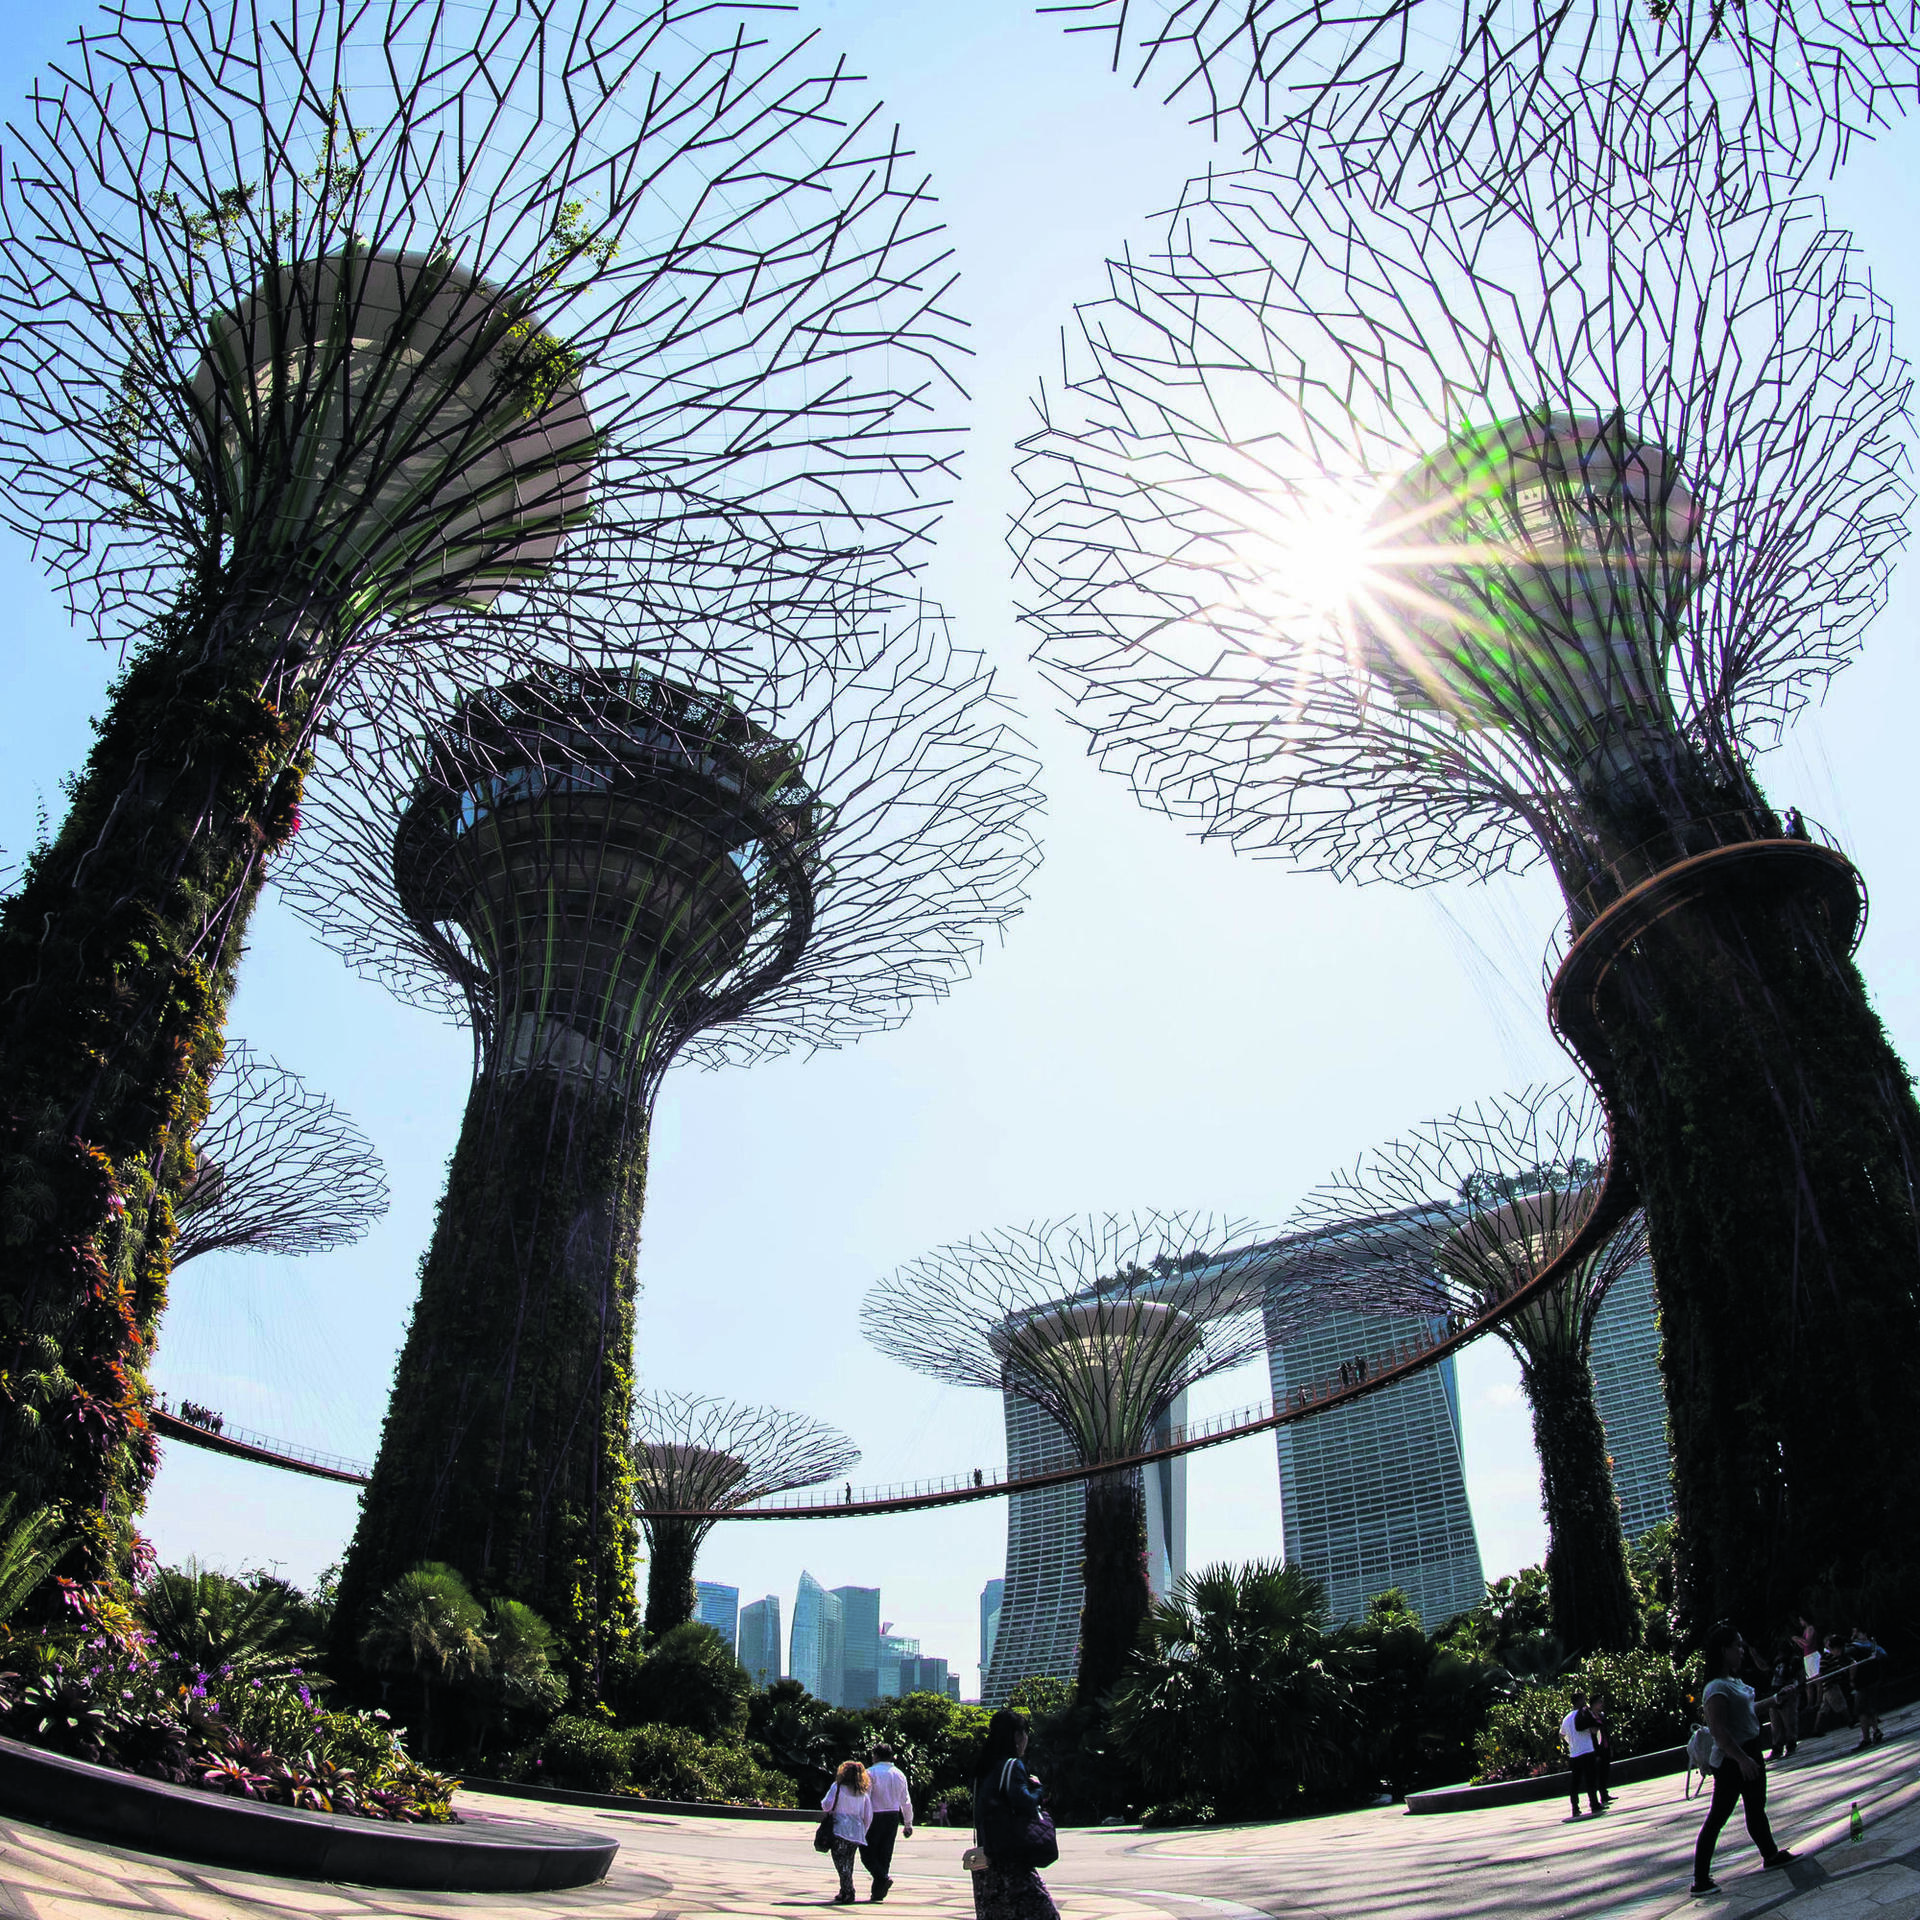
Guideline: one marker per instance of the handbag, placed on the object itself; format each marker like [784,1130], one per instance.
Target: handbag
[823,1833]
[1019,1844]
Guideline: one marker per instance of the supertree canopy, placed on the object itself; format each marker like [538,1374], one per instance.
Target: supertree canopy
[741,839]
[1102,1323]
[1800,81]
[701,1454]
[1403,539]
[276,1168]
[313,326]
[1455,1219]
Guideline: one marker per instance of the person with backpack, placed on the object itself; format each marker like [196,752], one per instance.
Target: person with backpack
[1738,1773]
[1013,1835]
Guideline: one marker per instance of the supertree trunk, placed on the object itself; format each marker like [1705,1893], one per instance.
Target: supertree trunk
[1775,1137]
[1593,1603]
[505,1446]
[673,1548]
[117,960]
[1114,1569]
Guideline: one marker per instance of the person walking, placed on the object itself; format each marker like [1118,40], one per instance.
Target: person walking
[1005,1799]
[1738,1774]
[1576,1730]
[851,1804]
[892,1817]
[1869,1662]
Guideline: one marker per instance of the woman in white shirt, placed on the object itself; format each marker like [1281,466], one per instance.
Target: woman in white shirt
[1739,1771]
[850,1801]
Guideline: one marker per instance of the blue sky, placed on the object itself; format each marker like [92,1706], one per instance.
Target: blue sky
[1166,1026]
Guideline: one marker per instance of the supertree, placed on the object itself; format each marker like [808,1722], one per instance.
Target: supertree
[1453,1220]
[1794,85]
[743,838]
[1102,1322]
[699,1454]
[276,1168]
[314,325]
[1400,540]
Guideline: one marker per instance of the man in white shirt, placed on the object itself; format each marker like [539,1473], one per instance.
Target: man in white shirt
[1577,1731]
[892,1816]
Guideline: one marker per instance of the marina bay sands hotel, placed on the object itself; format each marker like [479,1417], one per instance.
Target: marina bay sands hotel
[1372,1495]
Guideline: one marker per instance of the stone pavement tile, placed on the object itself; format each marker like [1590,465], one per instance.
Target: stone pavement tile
[1874,1893]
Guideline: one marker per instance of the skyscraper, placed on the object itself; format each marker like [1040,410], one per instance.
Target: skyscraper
[991,1596]
[859,1645]
[759,1650]
[1374,1495]
[895,1650]
[929,1675]
[1038,1628]
[718,1607]
[815,1653]
[1632,1402]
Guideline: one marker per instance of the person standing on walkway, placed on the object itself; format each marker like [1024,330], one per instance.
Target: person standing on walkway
[1005,1799]
[1836,1685]
[1602,1747]
[1577,1730]
[892,1816]
[1738,1771]
[1789,1675]
[1869,1659]
[851,1805]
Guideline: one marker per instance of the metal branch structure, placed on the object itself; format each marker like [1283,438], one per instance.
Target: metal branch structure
[1408,539]
[276,1168]
[1797,83]
[771,830]
[313,327]
[696,1451]
[1102,1322]
[1452,1221]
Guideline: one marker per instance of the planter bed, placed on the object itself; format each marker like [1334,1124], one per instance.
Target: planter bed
[152,1816]
[1542,1786]
[633,1803]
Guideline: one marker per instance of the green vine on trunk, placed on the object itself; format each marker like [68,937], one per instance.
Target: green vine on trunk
[117,956]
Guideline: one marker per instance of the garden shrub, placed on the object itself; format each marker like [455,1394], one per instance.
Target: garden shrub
[574,1752]
[117,1704]
[689,1679]
[1649,1707]
[669,1763]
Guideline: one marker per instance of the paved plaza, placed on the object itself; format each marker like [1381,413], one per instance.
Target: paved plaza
[1528,1862]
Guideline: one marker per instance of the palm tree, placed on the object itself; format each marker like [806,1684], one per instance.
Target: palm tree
[1232,1699]
[30,1548]
[258,1625]
[520,1675]
[429,1624]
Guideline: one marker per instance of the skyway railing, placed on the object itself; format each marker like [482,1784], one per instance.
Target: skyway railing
[241,1443]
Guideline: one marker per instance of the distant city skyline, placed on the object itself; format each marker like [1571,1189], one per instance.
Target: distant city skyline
[840,1649]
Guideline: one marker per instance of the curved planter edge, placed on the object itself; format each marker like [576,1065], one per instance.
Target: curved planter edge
[151,1816]
[633,1802]
[1544,1786]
